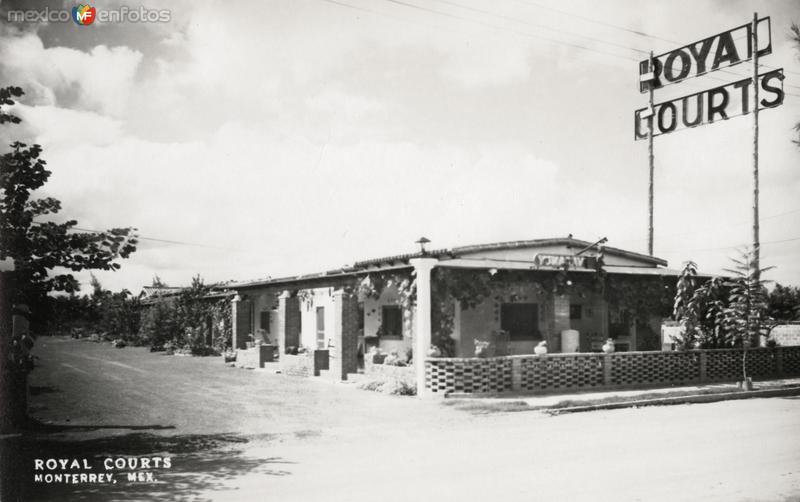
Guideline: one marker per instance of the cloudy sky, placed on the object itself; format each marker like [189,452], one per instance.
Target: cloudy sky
[248,139]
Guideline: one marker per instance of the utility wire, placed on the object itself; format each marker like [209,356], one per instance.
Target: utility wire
[495,27]
[141,238]
[618,27]
[706,229]
[791,239]
[537,25]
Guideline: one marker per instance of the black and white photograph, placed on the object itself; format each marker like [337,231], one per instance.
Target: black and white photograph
[399,250]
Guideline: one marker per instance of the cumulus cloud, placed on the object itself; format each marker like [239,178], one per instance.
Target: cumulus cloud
[98,81]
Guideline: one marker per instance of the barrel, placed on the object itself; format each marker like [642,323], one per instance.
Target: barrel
[570,340]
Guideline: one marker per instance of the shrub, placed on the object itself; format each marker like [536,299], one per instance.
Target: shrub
[393,387]
[399,388]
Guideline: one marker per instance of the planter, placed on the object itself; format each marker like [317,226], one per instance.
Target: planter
[540,350]
[608,347]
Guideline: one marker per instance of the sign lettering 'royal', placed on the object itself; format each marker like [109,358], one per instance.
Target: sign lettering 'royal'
[713,53]
[709,105]
[559,260]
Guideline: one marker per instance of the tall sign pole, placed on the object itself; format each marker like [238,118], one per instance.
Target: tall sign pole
[650,155]
[756,243]
[732,47]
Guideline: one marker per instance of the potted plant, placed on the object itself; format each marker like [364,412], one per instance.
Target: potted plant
[481,348]
[376,356]
[541,348]
[608,347]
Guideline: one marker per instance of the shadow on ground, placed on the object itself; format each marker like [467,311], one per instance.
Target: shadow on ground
[199,463]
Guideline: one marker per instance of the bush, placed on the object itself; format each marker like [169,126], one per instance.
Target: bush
[204,350]
[374,385]
[399,388]
[392,387]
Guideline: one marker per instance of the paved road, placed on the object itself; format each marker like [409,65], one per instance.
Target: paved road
[251,435]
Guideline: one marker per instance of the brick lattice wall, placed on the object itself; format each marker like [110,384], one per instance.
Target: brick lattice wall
[468,375]
[656,368]
[546,373]
[576,372]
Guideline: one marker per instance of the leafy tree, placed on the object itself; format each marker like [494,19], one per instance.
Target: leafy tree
[159,324]
[747,311]
[39,248]
[684,309]
[784,303]
[158,283]
[184,320]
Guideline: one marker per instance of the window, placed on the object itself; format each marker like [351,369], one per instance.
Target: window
[264,320]
[575,311]
[391,321]
[520,320]
[320,327]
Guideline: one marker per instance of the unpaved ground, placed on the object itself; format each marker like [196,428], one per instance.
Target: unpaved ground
[251,435]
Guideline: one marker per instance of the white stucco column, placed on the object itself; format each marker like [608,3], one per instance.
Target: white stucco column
[235,335]
[422,319]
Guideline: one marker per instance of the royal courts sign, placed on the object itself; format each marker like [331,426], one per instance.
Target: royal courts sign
[714,53]
[720,51]
[719,103]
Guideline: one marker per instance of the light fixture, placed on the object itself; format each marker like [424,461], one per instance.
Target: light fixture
[422,241]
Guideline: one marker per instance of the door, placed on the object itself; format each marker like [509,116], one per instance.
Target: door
[320,327]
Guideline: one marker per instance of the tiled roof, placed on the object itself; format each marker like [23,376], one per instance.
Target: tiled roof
[567,241]
[444,254]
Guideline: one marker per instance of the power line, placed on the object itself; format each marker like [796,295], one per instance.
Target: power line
[705,229]
[462,18]
[537,25]
[142,238]
[595,21]
[791,239]
[618,27]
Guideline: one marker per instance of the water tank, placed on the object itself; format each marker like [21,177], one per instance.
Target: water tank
[570,340]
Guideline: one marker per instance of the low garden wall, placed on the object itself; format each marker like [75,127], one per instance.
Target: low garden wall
[304,365]
[255,357]
[588,371]
[386,372]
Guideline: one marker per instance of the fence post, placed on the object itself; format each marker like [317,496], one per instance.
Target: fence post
[516,374]
[607,363]
[703,366]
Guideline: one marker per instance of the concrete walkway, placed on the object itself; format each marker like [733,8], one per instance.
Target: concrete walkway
[651,394]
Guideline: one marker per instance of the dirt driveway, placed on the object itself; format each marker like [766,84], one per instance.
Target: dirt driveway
[235,434]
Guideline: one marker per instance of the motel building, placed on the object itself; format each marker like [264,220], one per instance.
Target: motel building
[466,319]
